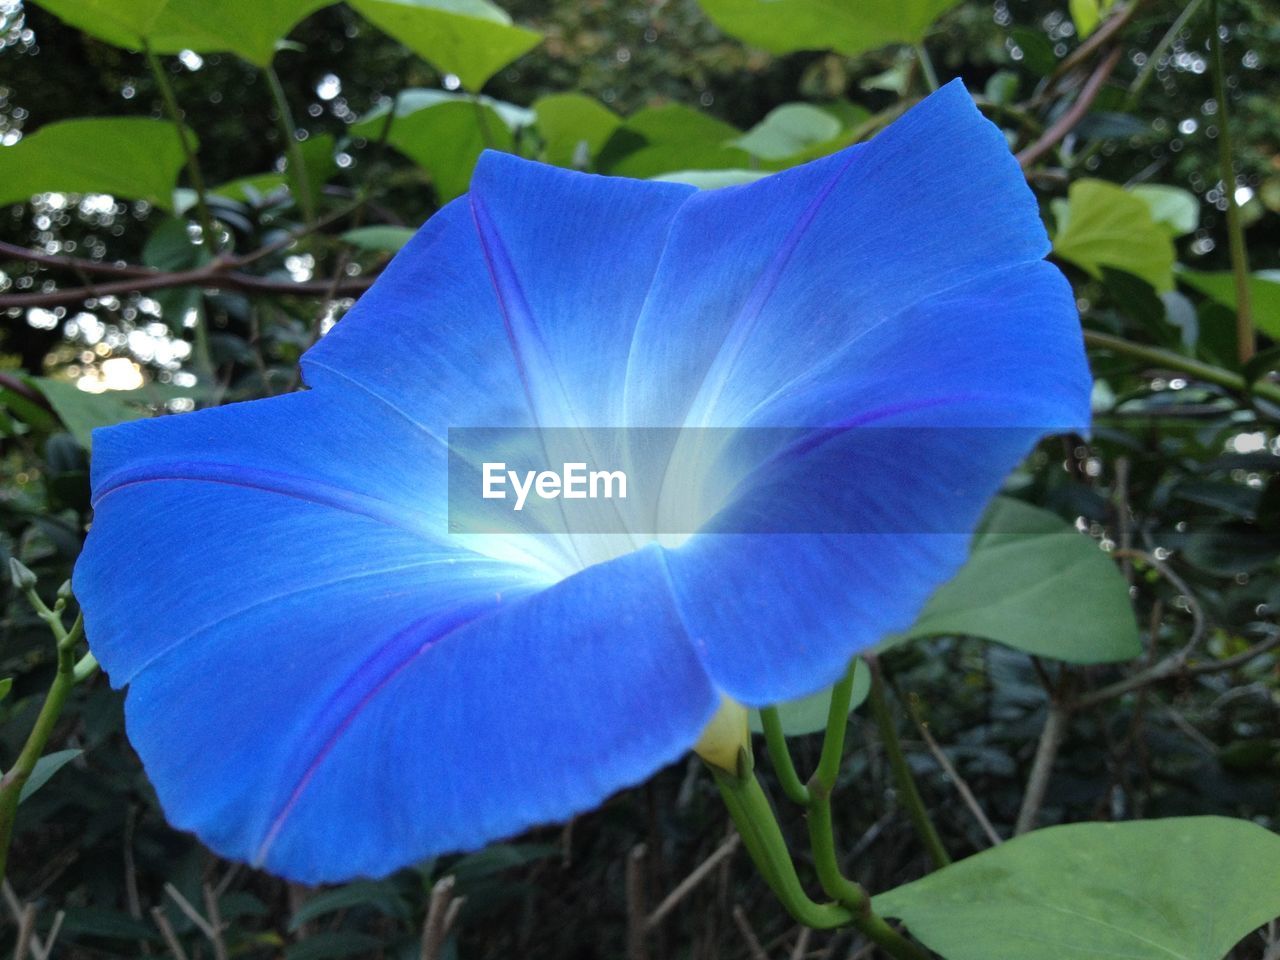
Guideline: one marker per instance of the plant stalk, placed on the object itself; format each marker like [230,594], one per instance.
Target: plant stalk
[902,772]
[188,148]
[16,777]
[293,150]
[1169,360]
[1246,339]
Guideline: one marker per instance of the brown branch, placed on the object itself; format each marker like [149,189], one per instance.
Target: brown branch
[754,950]
[213,276]
[1055,728]
[636,904]
[1097,40]
[442,913]
[1074,114]
[698,874]
[966,794]
[1173,666]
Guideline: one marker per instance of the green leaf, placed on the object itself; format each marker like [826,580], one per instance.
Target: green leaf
[130,157]
[5,686]
[413,99]
[328,946]
[1264,294]
[110,924]
[251,31]
[1033,583]
[781,26]
[1106,226]
[570,122]
[496,858]
[470,38]
[788,130]
[1086,16]
[250,189]
[1176,209]
[381,896]
[713,179]
[82,412]
[809,714]
[446,139]
[1186,888]
[170,247]
[445,133]
[1036,49]
[660,140]
[45,768]
[380,239]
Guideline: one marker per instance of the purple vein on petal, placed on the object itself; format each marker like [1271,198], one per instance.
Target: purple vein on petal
[370,666]
[533,360]
[267,481]
[121,680]
[749,315]
[361,385]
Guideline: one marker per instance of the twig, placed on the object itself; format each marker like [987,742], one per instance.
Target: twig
[192,913]
[802,943]
[442,911]
[1175,665]
[1168,360]
[1098,39]
[1074,114]
[1246,338]
[699,873]
[949,769]
[212,276]
[636,904]
[908,793]
[42,952]
[26,931]
[215,922]
[744,927]
[1055,727]
[292,149]
[208,231]
[166,933]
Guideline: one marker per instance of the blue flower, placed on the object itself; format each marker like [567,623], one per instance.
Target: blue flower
[323,680]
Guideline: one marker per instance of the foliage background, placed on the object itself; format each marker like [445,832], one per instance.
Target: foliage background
[1181,468]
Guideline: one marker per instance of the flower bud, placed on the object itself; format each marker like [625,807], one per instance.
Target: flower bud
[23,579]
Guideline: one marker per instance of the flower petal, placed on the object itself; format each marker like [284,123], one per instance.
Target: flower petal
[514,306]
[303,649]
[572,257]
[923,418]
[760,281]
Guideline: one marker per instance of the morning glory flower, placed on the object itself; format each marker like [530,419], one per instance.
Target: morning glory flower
[327,681]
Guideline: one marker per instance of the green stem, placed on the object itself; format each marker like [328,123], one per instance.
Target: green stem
[1153,59]
[762,836]
[293,149]
[926,67]
[188,148]
[780,755]
[1169,360]
[821,785]
[902,772]
[763,839]
[16,778]
[1246,342]
[837,723]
